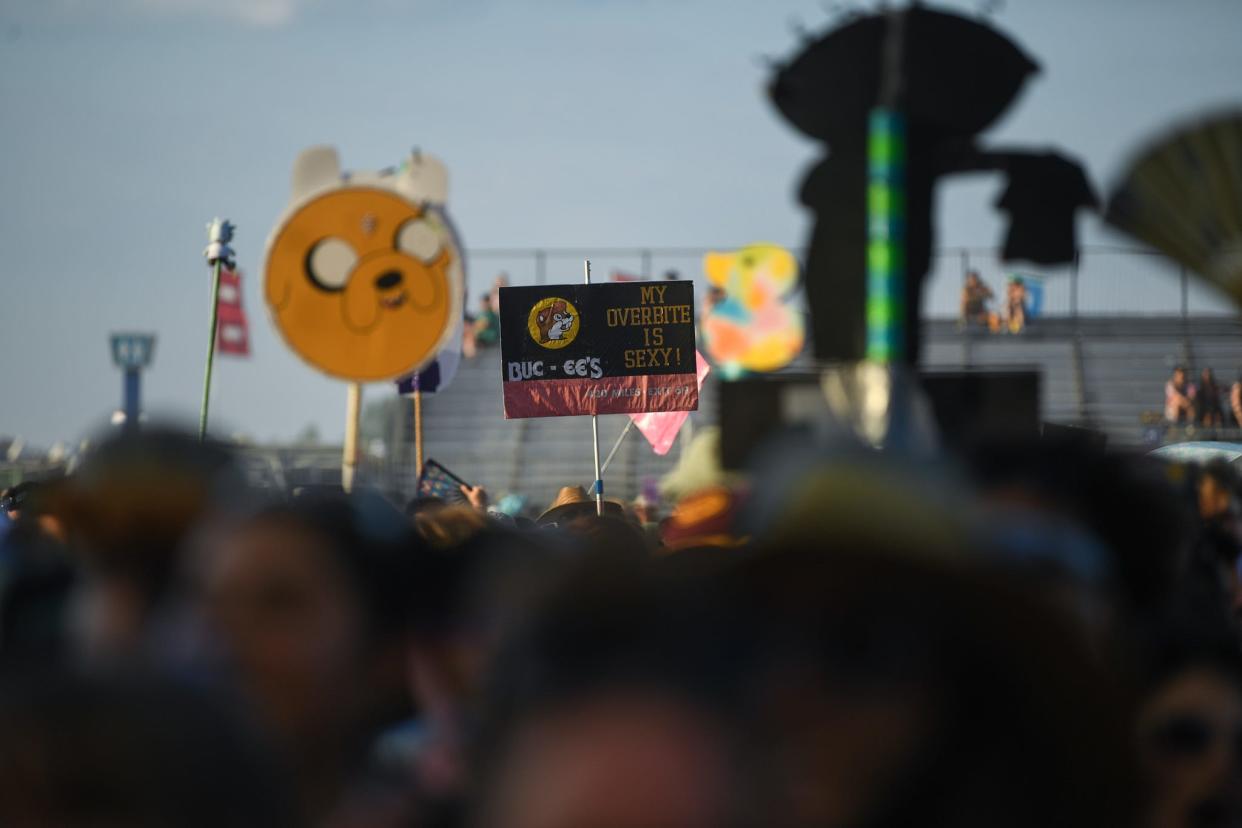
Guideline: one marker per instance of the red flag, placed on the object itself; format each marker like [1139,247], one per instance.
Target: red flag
[232,332]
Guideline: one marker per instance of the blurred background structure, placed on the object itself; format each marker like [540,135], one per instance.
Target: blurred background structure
[1105,337]
[134,122]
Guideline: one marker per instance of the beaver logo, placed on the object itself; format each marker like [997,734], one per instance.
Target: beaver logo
[363,278]
[553,322]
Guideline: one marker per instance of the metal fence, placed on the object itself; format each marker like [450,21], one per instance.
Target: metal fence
[1106,280]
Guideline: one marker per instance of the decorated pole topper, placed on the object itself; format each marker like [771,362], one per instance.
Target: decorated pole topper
[362,277]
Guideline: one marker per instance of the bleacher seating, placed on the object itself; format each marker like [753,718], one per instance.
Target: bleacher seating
[1103,372]
[1124,362]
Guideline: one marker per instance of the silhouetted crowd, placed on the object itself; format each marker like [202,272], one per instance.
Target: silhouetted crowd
[1037,634]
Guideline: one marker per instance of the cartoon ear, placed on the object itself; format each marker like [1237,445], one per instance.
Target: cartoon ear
[424,180]
[315,169]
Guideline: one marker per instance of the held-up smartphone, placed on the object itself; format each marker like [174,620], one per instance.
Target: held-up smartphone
[437,481]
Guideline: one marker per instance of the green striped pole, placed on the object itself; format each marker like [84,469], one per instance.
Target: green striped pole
[886,236]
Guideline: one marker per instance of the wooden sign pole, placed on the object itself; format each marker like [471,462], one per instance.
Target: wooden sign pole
[353,409]
[418,431]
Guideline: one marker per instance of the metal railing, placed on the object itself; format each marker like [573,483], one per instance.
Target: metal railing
[1106,280]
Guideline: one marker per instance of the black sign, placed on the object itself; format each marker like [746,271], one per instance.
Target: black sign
[613,348]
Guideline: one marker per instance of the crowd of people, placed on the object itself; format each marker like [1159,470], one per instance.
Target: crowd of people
[1035,634]
[1203,403]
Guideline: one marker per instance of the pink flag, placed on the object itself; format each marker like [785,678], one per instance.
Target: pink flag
[661,427]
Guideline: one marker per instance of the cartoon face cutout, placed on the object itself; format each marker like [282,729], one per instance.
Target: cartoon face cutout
[554,321]
[362,282]
[753,327]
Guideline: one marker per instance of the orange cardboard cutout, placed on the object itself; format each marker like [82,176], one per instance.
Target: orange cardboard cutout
[363,282]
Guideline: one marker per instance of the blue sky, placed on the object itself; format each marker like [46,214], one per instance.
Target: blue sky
[128,124]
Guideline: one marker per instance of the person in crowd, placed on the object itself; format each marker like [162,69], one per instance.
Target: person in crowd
[1217,494]
[305,609]
[1208,411]
[487,323]
[1235,401]
[621,689]
[482,330]
[1046,635]
[127,514]
[1189,725]
[132,749]
[613,534]
[38,579]
[468,597]
[573,502]
[501,281]
[423,504]
[450,525]
[974,304]
[1015,305]
[706,519]
[29,502]
[1179,406]
[12,498]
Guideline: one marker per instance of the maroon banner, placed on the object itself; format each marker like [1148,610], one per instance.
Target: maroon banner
[232,331]
[606,395]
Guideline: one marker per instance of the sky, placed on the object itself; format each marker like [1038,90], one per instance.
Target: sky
[126,125]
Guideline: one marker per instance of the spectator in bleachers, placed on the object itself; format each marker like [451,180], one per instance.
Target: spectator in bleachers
[501,280]
[487,325]
[1207,401]
[1179,406]
[482,330]
[1015,305]
[974,307]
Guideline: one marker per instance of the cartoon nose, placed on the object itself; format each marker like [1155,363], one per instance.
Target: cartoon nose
[386,280]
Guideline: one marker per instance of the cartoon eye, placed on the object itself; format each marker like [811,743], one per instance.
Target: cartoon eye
[329,263]
[418,238]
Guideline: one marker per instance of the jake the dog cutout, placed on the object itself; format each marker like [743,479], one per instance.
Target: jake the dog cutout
[363,277]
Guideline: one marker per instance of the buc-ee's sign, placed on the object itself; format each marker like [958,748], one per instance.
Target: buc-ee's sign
[614,348]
